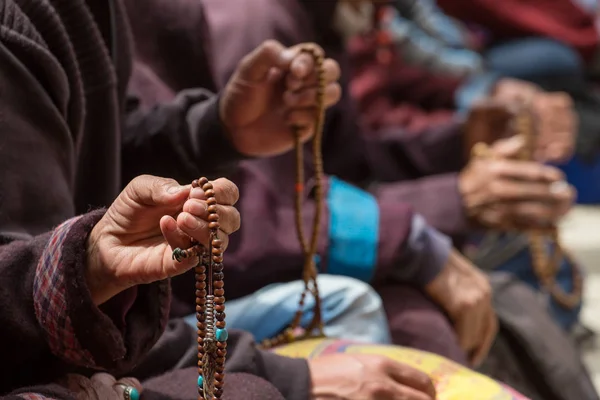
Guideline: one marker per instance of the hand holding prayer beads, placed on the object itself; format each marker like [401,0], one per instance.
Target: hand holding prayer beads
[309,248]
[275,87]
[542,238]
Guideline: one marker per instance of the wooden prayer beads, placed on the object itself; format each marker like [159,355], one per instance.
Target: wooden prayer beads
[545,266]
[309,249]
[210,302]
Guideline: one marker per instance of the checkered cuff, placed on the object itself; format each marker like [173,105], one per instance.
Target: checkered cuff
[33,396]
[51,309]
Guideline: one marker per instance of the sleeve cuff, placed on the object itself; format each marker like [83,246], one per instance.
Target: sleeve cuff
[425,255]
[353,231]
[473,89]
[214,148]
[78,331]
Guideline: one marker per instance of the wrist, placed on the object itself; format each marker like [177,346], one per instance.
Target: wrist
[100,284]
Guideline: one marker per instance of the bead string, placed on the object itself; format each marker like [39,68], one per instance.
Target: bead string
[309,248]
[545,266]
[210,302]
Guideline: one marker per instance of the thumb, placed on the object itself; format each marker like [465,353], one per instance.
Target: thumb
[256,66]
[148,190]
[510,147]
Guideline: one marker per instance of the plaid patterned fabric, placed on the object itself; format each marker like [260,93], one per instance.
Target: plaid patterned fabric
[34,396]
[50,301]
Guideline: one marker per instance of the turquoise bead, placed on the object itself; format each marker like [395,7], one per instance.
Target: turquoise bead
[200,381]
[134,394]
[222,335]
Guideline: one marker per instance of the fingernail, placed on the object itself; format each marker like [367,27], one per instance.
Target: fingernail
[559,187]
[174,189]
[190,222]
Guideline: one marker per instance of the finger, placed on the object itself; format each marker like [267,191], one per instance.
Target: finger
[512,191]
[177,239]
[256,66]
[156,191]
[128,382]
[302,66]
[527,171]
[509,147]
[309,97]
[331,73]
[229,217]
[104,379]
[490,332]
[401,392]
[225,192]
[411,377]
[198,229]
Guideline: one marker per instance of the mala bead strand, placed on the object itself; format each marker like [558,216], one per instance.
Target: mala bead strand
[309,248]
[210,302]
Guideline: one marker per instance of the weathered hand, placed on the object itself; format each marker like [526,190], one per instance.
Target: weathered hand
[274,87]
[465,293]
[367,377]
[554,113]
[557,125]
[500,192]
[133,243]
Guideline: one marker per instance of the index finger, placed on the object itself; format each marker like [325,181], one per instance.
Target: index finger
[528,171]
[410,377]
[225,192]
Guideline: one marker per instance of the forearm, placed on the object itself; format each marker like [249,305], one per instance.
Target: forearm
[182,139]
[45,392]
[437,198]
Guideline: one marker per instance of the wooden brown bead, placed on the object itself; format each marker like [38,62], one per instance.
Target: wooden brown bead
[211,201]
[212,209]
[199,308]
[218,385]
[200,363]
[216,251]
[214,225]
[221,352]
[219,292]
[201,293]
[200,285]
[213,217]
[218,243]
[217,267]
[218,276]
[200,340]
[220,324]
[195,183]
[220,300]
[219,307]
[218,285]
[203,181]
[220,316]
[201,276]
[208,192]
[207,186]
[218,393]
[222,345]
[219,377]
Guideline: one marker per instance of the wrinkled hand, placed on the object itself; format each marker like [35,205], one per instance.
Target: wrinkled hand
[100,386]
[557,125]
[554,113]
[367,377]
[132,244]
[510,91]
[500,192]
[466,295]
[274,87]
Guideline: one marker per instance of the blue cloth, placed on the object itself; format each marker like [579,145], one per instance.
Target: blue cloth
[531,58]
[351,310]
[353,231]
